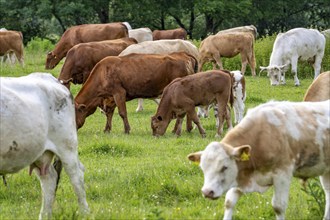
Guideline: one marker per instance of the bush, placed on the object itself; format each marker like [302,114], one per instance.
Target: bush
[39,45]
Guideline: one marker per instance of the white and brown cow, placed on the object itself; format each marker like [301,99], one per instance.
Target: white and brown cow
[11,45]
[161,47]
[182,95]
[319,90]
[291,46]
[82,34]
[37,122]
[273,143]
[228,45]
[117,79]
[239,99]
[178,33]
[81,58]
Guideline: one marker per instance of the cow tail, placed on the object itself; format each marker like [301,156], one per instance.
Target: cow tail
[232,81]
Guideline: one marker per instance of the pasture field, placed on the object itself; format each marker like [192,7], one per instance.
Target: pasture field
[138,176]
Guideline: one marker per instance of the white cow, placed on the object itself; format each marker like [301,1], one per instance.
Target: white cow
[273,143]
[161,47]
[37,122]
[296,44]
[141,34]
[250,28]
[239,99]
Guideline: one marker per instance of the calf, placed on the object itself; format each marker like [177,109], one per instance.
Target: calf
[120,79]
[83,34]
[182,95]
[82,58]
[296,44]
[228,45]
[273,143]
[37,122]
[178,33]
[319,90]
[12,43]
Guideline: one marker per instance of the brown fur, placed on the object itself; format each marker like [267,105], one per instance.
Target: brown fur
[178,33]
[228,45]
[12,41]
[83,57]
[182,95]
[121,79]
[319,90]
[83,34]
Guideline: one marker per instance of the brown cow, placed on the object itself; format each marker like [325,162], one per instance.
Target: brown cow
[319,90]
[12,42]
[228,45]
[83,34]
[81,58]
[178,33]
[120,79]
[182,95]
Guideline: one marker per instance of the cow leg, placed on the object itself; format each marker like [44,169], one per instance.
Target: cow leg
[217,59]
[189,125]
[325,181]
[193,116]
[228,118]
[222,112]
[109,113]
[48,187]
[120,99]
[317,65]
[252,62]
[178,125]
[294,67]
[281,192]
[232,198]
[244,61]
[75,171]
[140,105]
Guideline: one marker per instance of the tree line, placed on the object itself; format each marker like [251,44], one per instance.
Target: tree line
[50,18]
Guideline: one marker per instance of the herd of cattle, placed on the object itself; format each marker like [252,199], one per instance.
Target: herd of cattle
[116,63]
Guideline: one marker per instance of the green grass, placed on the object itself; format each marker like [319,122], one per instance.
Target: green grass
[138,176]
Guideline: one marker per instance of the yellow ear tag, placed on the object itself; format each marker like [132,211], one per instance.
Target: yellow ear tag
[245,156]
[196,163]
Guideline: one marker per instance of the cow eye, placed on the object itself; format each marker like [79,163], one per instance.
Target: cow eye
[223,169]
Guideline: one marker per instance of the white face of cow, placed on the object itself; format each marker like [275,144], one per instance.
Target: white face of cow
[218,163]
[274,73]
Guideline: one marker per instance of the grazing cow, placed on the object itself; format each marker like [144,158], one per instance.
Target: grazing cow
[182,95]
[37,122]
[161,47]
[251,29]
[296,44]
[12,43]
[319,90]
[83,34]
[81,58]
[274,142]
[178,33]
[228,45]
[239,99]
[141,34]
[120,79]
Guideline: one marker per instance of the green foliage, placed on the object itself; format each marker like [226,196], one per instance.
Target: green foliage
[316,194]
[138,176]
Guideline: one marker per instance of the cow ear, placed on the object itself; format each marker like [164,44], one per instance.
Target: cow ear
[159,118]
[195,157]
[81,107]
[241,153]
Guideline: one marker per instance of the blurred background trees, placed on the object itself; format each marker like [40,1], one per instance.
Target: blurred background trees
[50,18]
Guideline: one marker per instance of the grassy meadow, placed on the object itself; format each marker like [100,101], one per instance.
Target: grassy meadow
[138,176]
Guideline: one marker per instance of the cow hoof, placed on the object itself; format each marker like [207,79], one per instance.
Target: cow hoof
[203,135]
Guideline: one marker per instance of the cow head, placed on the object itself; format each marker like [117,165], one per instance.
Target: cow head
[80,114]
[52,60]
[218,163]
[274,73]
[158,125]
